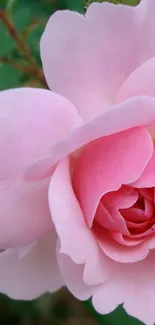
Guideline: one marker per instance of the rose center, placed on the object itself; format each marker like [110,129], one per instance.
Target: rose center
[140,217]
[129,211]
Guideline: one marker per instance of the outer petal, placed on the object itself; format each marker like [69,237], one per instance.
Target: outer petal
[131,284]
[68,217]
[88,58]
[140,82]
[35,273]
[24,214]
[108,163]
[31,121]
[73,276]
[134,112]
[76,239]
[102,296]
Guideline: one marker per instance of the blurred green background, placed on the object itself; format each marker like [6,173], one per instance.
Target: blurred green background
[20,68]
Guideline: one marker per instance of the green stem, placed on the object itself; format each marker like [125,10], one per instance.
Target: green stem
[22,47]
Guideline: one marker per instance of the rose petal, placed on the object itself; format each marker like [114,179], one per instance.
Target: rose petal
[147,179]
[73,275]
[68,217]
[87,59]
[35,273]
[138,225]
[149,207]
[25,216]
[106,164]
[101,299]
[132,284]
[135,112]
[124,240]
[31,121]
[140,82]
[105,219]
[133,214]
[118,252]
[124,198]
[76,239]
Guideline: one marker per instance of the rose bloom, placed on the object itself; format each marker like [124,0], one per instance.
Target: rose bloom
[77,165]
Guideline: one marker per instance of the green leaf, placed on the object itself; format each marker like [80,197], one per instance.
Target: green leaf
[9,77]
[127,2]
[7,44]
[39,8]
[33,40]
[117,317]
[76,5]
[21,17]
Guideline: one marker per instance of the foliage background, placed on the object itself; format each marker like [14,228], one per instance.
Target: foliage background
[20,65]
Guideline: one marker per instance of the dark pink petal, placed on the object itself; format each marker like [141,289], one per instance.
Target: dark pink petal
[133,214]
[105,219]
[124,240]
[106,164]
[124,252]
[125,197]
[147,179]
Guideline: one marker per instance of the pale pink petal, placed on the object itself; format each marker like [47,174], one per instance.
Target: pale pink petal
[140,82]
[132,284]
[70,62]
[68,217]
[24,214]
[31,121]
[35,273]
[134,112]
[87,59]
[106,164]
[76,239]
[105,293]
[73,276]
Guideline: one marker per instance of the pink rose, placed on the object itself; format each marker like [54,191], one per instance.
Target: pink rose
[87,160]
